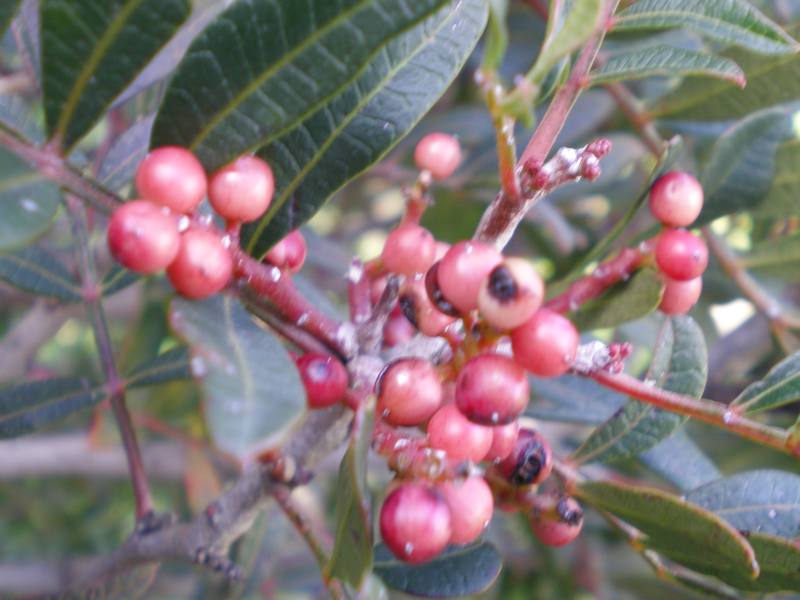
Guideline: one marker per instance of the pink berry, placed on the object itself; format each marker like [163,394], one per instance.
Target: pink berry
[545,344]
[203,265]
[289,253]
[435,293]
[676,199]
[143,237]
[556,521]
[462,271]
[511,293]
[504,440]
[471,506]
[409,392]
[173,177]
[398,330]
[418,309]
[531,460]
[680,296]
[681,255]
[242,191]
[491,389]
[438,153]
[451,432]
[415,523]
[324,378]
[409,249]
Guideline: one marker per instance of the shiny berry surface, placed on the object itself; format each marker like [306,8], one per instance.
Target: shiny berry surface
[676,199]
[438,153]
[492,389]
[409,249]
[462,270]
[415,523]
[556,521]
[511,293]
[289,253]
[681,255]
[471,506]
[171,176]
[409,392]
[242,191]
[143,237]
[451,432]
[203,265]
[680,296]
[545,344]
[324,377]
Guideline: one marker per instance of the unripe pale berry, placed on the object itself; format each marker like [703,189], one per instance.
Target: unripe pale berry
[450,431]
[409,249]
[203,265]
[438,153]
[504,440]
[680,296]
[415,523]
[556,521]
[511,293]
[143,237]
[462,271]
[681,255]
[418,309]
[471,506]
[491,389]
[676,199]
[545,344]
[242,191]
[172,176]
[289,253]
[324,377]
[531,460]
[409,392]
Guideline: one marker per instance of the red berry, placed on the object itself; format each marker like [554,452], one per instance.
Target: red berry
[511,293]
[681,255]
[545,344]
[680,296]
[438,153]
[409,392]
[289,253]
[676,199]
[435,293]
[471,506]
[418,309]
[504,440]
[324,378]
[531,460]
[241,191]
[491,389]
[450,431]
[203,265]
[462,271]
[415,523]
[398,330]
[173,177]
[409,249]
[143,237]
[556,521]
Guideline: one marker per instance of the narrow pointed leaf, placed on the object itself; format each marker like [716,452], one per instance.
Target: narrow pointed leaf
[38,272]
[8,8]
[781,386]
[119,166]
[496,34]
[173,365]
[779,560]
[117,279]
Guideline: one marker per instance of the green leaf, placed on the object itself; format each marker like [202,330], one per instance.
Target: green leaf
[726,21]
[117,279]
[30,406]
[774,256]
[766,501]
[626,301]
[92,50]
[457,572]
[119,166]
[496,34]
[39,272]
[28,202]
[252,388]
[674,527]
[666,61]
[572,399]
[20,114]
[8,8]
[678,460]
[779,560]
[780,387]
[351,559]
[680,365]
[173,365]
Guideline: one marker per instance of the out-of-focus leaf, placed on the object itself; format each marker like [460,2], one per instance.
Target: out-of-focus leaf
[39,272]
[678,460]
[779,560]
[773,256]
[496,34]
[117,279]
[19,114]
[201,481]
[119,166]
[572,399]
[8,9]
[173,365]
[781,386]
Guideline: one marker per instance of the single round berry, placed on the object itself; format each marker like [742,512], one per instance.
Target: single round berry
[241,191]
[173,177]
[435,293]
[417,307]
[415,523]
[462,270]
[409,392]
[203,265]
[409,249]
[491,389]
[511,293]
[450,431]
[471,506]
[143,237]
[438,153]
[289,253]
[681,255]
[504,440]
[680,296]
[324,378]
[545,344]
[676,199]
[555,520]
[531,460]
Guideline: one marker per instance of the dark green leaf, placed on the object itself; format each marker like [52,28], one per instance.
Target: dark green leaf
[173,365]
[252,388]
[19,114]
[674,527]
[117,279]
[779,560]
[455,573]
[765,501]
[31,406]
[39,272]
[8,9]
[119,166]
[678,460]
[781,386]
[666,61]
[572,399]
[727,21]
[680,365]
[92,50]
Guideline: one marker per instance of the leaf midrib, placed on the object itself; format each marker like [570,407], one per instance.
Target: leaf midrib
[769,390]
[45,274]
